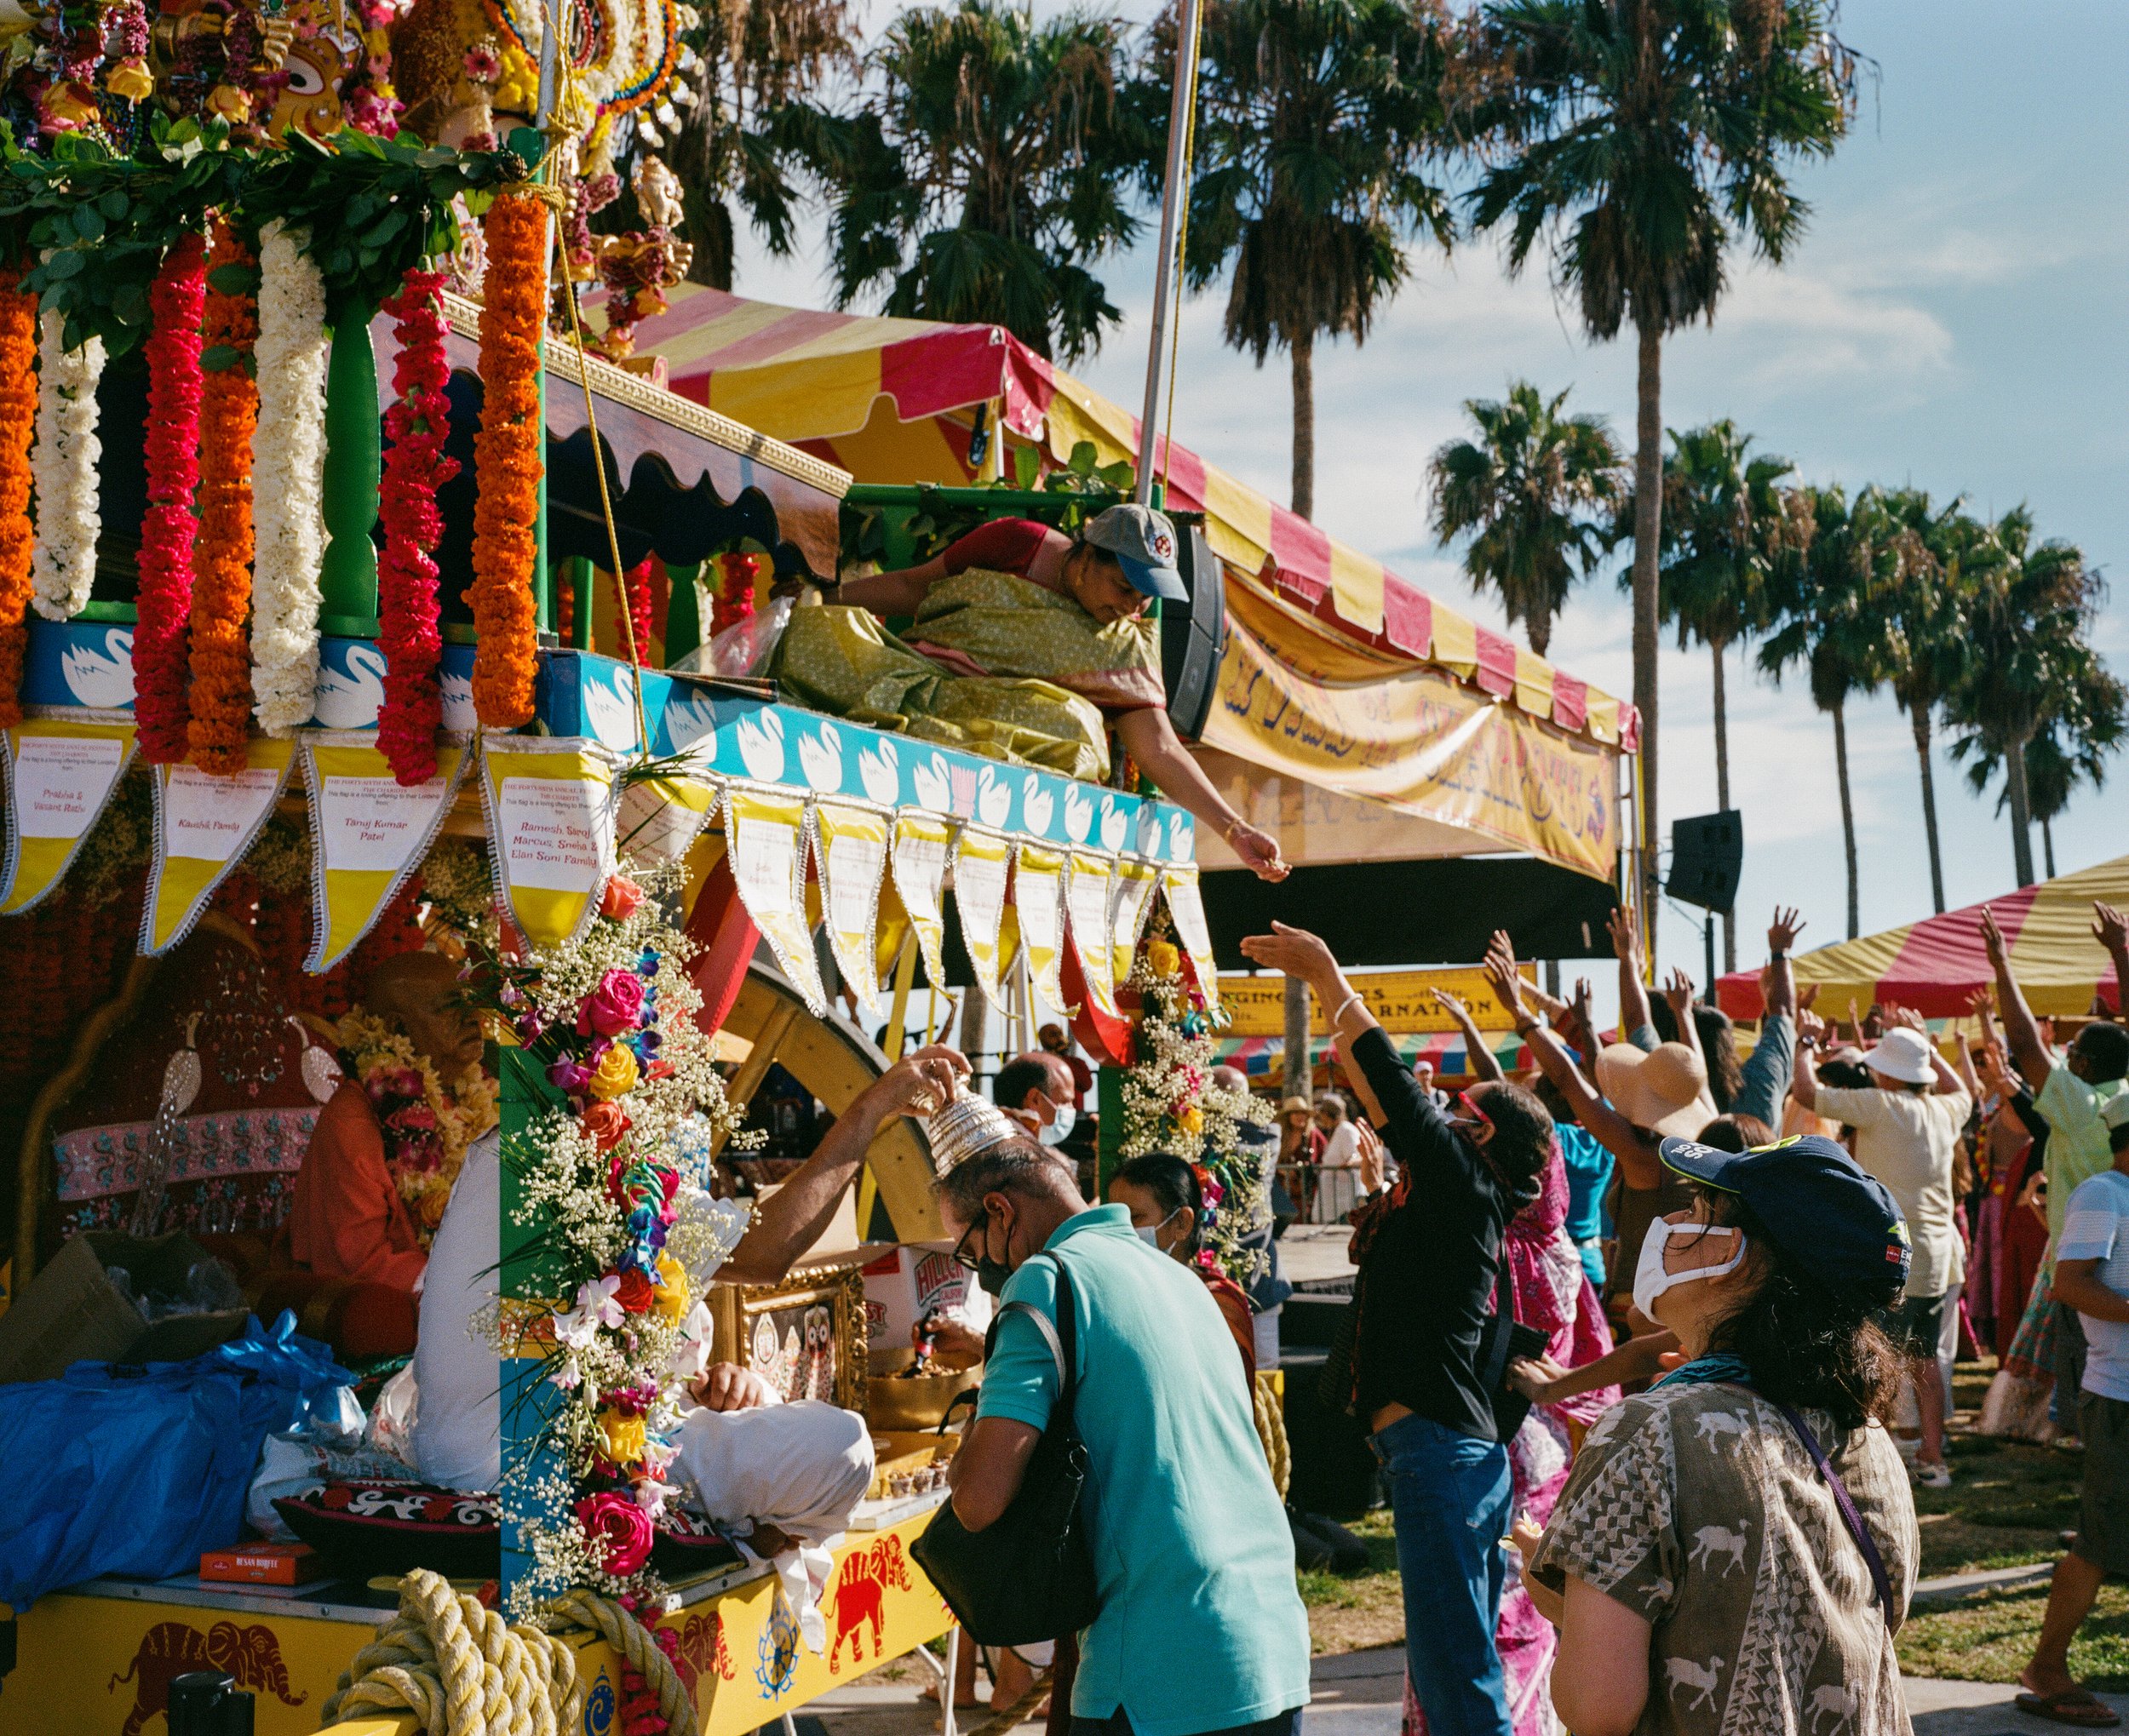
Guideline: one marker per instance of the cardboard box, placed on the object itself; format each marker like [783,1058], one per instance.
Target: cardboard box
[260,1564]
[71,1312]
[909,1282]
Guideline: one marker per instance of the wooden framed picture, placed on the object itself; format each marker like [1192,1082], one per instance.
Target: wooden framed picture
[805,1336]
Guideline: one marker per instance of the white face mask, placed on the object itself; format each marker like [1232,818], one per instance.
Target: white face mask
[1063,1115]
[1650,1281]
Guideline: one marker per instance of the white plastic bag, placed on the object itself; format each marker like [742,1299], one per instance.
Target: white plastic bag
[391,1429]
[743,648]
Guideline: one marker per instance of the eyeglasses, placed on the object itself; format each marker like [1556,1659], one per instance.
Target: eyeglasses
[961,1248]
[1466,1107]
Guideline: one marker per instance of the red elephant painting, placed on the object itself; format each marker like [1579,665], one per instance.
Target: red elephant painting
[170,1649]
[861,1592]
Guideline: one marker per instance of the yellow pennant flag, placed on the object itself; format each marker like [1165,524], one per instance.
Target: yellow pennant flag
[368,832]
[1128,908]
[1186,904]
[853,857]
[982,860]
[1038,902]
[661,817]
[59,775]
[1086,905]
[920,872]
[550,811]
[765,832]
[203,825]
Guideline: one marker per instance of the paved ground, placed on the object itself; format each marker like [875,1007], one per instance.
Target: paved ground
[1315,1250]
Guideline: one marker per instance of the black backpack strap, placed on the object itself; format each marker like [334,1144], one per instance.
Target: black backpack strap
[1061,1335]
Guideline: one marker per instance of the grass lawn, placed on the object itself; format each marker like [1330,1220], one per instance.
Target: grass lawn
[1365,1609]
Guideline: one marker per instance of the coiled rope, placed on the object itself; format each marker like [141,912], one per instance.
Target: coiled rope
[462,1670]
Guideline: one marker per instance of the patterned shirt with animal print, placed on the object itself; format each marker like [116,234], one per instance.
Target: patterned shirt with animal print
[1697,1507]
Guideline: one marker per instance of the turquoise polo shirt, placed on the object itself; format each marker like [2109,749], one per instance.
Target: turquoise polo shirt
[1201,1627]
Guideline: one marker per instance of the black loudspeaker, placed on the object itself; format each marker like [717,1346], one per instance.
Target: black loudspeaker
[1707,851]
[1191,633]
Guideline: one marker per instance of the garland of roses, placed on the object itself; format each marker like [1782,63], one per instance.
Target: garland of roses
[176,302]
[63,465]
[17,422]
[427,1125]
[220,696]
[509,460]
[416,467]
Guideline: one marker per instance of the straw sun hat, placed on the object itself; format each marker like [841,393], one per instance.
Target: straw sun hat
[1663,1090]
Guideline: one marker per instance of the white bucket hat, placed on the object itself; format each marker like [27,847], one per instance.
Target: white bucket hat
[1901,1054]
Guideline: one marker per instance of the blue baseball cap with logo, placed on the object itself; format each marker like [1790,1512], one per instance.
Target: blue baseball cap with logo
[1837,1221]
[1143,543]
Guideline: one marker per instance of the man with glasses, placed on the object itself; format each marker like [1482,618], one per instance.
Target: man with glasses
[1429,1254]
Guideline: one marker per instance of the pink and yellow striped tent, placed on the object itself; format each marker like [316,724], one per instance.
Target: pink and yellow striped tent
[1935,966]
[895,400]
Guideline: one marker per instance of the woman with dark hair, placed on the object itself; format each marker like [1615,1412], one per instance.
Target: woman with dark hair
[1735,1548]
[1166,1198]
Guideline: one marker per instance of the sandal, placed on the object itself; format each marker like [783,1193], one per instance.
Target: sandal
[2073,1705]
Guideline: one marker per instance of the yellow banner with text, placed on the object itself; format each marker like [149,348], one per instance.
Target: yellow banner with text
[1402,1001]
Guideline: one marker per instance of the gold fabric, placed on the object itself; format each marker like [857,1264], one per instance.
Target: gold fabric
[1051,671]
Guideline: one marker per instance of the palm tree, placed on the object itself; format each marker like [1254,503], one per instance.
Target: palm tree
[2033,674]
[1926,611]
[1829,598]
[987,157]
[1314,117]
[1539,489]
[1646,136]
[1727,521]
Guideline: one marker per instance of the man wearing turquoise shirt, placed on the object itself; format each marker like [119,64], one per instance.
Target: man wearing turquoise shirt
[1200,1628]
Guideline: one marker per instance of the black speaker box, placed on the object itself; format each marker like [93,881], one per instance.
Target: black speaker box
[1707,852]
[1191,632]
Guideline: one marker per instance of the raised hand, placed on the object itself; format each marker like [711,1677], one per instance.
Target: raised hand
[1992,937]
[1506,980]
[1293,951]
[1679,992]
[1625,935]
[1782,932]
[2110,928]
[1450,1005]
[1810,1026]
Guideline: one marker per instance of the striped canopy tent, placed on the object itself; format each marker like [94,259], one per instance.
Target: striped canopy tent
[1935,966]
[905,401]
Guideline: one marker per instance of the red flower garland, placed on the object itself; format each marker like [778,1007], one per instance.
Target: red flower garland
[415,467]
[176,301]
[509,457]
[221,699]
[735,591]
[17,425]
[635,592]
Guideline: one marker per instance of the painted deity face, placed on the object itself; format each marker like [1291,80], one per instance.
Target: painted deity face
[310,101]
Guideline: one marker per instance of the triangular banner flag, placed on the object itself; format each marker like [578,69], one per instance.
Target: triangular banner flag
[765,833]
[60,775]
[368,832]
[854,858]
[982,861]
[1132,898]
[550,811]
[1038,897]
[919,870]
[203,825]
[1186,904]
[661,817]
[1087,903]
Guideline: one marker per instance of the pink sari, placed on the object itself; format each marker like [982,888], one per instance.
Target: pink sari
[1553,1294]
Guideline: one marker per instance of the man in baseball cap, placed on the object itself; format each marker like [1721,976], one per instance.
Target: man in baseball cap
[1143,543]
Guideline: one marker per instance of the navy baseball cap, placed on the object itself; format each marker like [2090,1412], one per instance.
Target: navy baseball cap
[1831,1217]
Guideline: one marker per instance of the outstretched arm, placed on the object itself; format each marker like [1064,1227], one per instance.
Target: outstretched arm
[1484,1062]
[1150,739]
[893,593]
[2110,928]
[1778,984]
[1633,994]
[2028,1053]
[1678,993]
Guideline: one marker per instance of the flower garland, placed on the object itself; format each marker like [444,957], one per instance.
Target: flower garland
[1171,1103]
[459,887]
[288,474]
[176,301]
[427,1124]
[415,466]
[635,597]
[611,1019]
[733,594]
[221,583]
[63,465]
[509,456]
[18,423]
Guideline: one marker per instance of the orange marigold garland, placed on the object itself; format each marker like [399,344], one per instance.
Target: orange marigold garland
[221,568]
[18,423]
[171,449]
[508,457]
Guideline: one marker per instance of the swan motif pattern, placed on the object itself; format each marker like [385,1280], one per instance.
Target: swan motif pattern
[761,747]
[1178,839]
[610,712]
[458,716]
[688,721]
[1114,822]
[934,786]
[1146,830]
[1079,815]
[879,768]
[103,679]
[994,799]
[1037,805]
[351,700]
[821,759]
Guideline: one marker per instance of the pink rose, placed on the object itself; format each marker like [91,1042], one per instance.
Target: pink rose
[615,1005]
[619,1531]
[620,899]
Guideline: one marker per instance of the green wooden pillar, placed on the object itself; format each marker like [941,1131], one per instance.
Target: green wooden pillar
[1108,1137]
[543,571]
[582,577]
[353,466]
[683,612]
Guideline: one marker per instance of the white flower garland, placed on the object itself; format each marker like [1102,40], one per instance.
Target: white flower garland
[288,483]
[63,470]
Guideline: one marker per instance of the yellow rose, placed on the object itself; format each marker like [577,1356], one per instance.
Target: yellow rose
[675,1295]
[1191,1120]
[620,1438]
[130,80]
[1163,959]
[226,102]
[429,1208]
[615,1076]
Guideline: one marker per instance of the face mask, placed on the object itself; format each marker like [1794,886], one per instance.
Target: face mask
[1650,1281]
[992,1274]
[1150,1234]
[1060,1128]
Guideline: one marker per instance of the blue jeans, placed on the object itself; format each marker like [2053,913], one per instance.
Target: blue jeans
[1451,1499]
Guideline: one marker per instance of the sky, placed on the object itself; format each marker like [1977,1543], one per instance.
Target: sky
[1952,320]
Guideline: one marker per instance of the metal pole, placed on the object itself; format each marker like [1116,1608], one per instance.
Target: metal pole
[1172,193]
[1707,938]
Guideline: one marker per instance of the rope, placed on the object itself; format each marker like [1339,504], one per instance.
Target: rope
[461,1670]
[1182,241]
[1272,1433]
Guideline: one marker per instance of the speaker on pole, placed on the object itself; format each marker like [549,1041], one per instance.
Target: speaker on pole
[1707,853]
